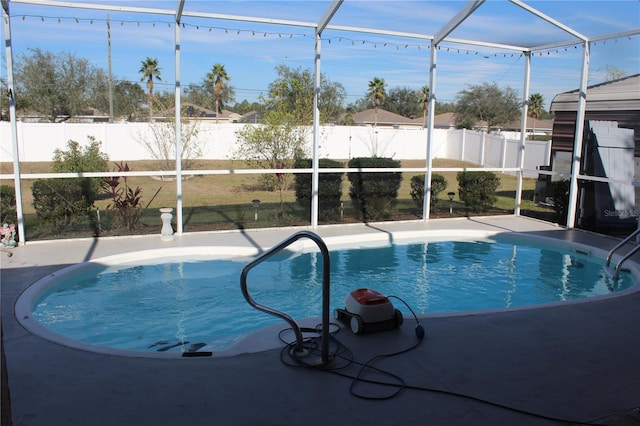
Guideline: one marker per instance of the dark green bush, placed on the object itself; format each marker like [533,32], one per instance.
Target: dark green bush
[63,202]
[560,199]
[7,205]
[478,190]
[438,184]
[373,195]
[329,188]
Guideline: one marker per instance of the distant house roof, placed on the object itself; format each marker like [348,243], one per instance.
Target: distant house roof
[384,118]
[532,124]
[196,111]
[617,95]
[447,120]
[251,117]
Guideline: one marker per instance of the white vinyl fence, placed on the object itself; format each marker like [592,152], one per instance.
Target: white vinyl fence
[124,141]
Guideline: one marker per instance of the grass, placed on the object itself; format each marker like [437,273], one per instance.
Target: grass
[225,201]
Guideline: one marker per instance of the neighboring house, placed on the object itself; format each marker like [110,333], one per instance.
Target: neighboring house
[446,120]
[251,117]
[610,148]
[91,115]
[440,121]
[533,125]
[384,118]
[205,114]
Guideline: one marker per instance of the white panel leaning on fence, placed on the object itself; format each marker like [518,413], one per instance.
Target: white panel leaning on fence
[125,141]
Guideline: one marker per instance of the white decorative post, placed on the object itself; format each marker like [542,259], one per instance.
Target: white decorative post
[256,206]
[167,230]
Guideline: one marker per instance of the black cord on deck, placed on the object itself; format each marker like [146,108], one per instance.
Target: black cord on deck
[341,358]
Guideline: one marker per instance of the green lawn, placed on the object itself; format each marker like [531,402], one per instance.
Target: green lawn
[225,201]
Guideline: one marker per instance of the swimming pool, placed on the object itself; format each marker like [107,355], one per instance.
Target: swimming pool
[186,301]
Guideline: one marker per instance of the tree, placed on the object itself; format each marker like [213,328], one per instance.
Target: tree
[403,101]
[200,94]
[164,100]
[149,70]
[377,93]
[54,84]
[244,107]
[292,91]
[359,105]
[275,144]
[216,78]
[536,107]
[128,99]
[486,102]
[424,100]
[161,142]
[330,100]
[613,73]
[4,100]
[197,94]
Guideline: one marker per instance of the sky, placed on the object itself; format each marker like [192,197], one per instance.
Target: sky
[251,51]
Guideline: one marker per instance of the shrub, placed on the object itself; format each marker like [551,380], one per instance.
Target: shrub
[374,194]
[126,201]
[438,184]
[329,188]
[7,205]
[77,159]
[62,202]
[478,190]
[560,199]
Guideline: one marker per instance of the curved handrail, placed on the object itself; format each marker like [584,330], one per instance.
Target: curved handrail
[614,272]
[325,289]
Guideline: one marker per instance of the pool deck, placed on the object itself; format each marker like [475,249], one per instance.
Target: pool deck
[574,361]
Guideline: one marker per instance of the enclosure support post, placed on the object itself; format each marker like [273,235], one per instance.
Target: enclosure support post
[316,136]
[14,122]
[426,201]
[523,131]
[178,127]
[577,142]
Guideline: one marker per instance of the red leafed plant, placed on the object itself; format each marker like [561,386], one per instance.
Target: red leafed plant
[126,201]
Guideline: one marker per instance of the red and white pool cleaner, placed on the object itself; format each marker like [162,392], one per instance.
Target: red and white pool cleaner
[367,311]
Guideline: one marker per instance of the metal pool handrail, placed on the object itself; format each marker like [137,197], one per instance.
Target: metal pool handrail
[325,290]
[613,273]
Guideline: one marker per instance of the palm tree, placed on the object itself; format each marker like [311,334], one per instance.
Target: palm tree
[149,69]
[424,99]
[216,78]
[377,94]
[536,106]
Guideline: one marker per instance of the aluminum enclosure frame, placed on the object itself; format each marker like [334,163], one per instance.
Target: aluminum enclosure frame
[321,25]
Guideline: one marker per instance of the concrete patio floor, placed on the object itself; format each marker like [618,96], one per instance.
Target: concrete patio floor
[576,362]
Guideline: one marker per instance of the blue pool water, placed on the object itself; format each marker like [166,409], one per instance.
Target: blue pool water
[174,306]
